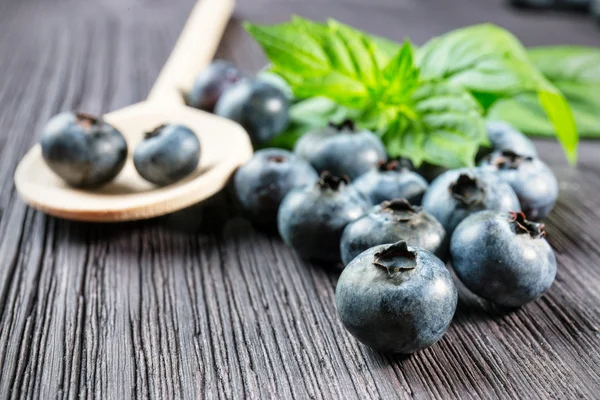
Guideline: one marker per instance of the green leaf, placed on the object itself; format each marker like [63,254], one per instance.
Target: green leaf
[319,111]
[526,114]
[560,115]
[491,63]
[331,60]
[448,131]
[336,86]
[575,71]
[483,58]
[291,47]
[565,65]
[401,76]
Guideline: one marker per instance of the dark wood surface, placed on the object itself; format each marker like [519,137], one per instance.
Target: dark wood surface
[198,304]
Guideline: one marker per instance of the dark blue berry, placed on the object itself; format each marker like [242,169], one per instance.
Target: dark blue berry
[211,83]
[261,108]
[341,149]
[390,222]
[311,220]
[167,154]
[83,150]
[396,298]
[531,179]
[261,184]
[456,194]
[504,136]
[391,180]
[503,258]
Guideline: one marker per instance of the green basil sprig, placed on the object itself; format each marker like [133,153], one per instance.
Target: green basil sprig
[427,104]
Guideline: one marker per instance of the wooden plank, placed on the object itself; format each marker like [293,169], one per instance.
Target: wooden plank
[200,304]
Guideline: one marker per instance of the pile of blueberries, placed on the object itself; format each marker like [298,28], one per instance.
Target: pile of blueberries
[338,198]
[393,231]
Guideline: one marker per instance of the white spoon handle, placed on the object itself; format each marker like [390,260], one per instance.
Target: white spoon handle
[193,51]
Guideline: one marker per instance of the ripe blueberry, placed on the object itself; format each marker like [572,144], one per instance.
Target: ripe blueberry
[261,108]
[83,150]
[167,154]
[261,184]
[211,83]
[341,149]
[531,179]
[311,219]
[502,257]
[391,180]
[396,298]
[456,194]
[506,137]
[390,222]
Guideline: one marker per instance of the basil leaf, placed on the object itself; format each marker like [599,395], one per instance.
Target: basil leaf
[332,60]
[483,58]
[401,76]
[336,86]
[448,131]
[319,111]
[290,47]
[575,71]
[568,65]
[492,63]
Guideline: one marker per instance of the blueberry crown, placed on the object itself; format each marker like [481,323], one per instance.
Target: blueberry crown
[401,209]
[155,132]
[522,226]
[394,165]
[328,181]
[86,121]
[395,259]
[468,189]
[276,159]
[508,159]
[346,125]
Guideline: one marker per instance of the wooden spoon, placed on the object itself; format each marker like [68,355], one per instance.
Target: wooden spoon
[224,144]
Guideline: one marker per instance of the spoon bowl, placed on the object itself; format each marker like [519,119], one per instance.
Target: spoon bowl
[224,145]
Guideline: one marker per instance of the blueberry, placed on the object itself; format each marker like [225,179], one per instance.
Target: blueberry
[167,154]
[531,179]
[506,137]
[502,257]
[341,149]
[261,108]
[83,150]
[311,220]
[211,83]
[396,298]
[389,181]
[456,194]
[261,184]
[390,222]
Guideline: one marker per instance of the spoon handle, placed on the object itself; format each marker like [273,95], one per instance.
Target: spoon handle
[193,51]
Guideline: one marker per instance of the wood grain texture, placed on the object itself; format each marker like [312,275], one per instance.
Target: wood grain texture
[198,304]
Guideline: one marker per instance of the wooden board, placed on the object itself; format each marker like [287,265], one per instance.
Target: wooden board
[198,304]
